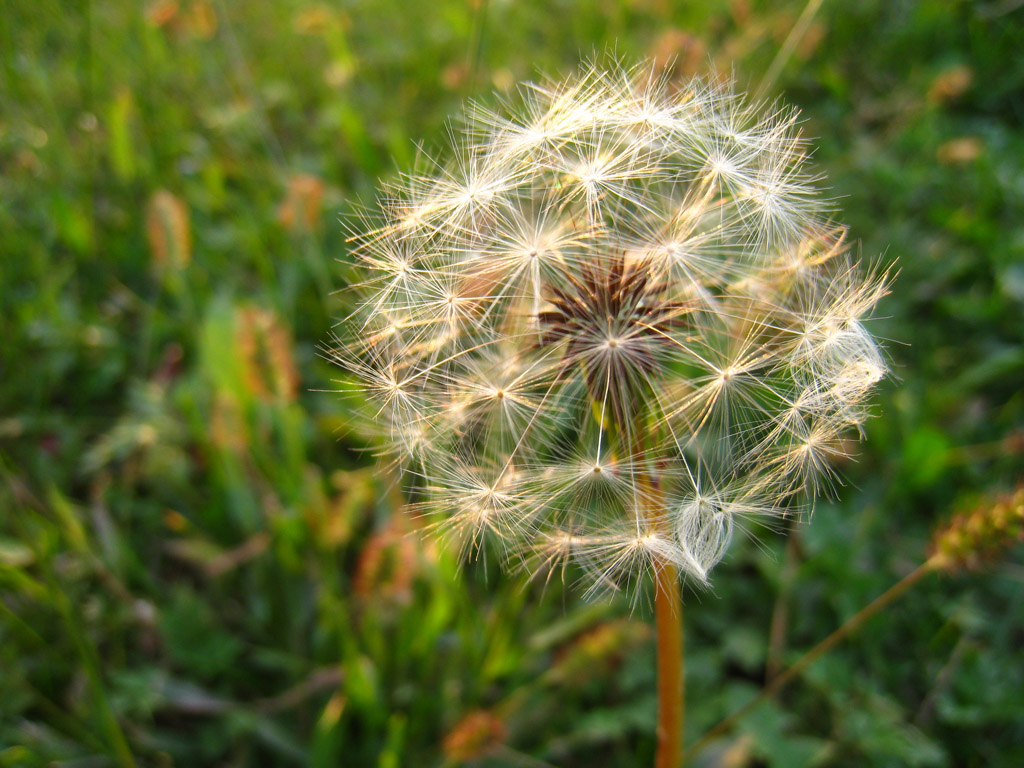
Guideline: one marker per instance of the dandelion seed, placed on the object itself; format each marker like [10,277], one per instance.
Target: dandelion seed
[613,327]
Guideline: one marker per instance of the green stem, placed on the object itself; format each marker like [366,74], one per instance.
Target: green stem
[116,741]
[780,613]
[803,23]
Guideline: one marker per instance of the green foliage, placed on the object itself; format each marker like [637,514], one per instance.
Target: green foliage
[199,563]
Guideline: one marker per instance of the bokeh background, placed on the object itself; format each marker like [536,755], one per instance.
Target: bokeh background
[200,564]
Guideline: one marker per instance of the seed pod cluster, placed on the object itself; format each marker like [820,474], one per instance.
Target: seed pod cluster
[979,536]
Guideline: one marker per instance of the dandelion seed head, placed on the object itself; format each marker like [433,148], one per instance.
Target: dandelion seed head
[615,325]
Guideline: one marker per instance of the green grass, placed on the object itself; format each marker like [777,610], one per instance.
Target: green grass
[199,564]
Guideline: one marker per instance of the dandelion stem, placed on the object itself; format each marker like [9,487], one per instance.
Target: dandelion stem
[668,609]
[668,615]
[849,627]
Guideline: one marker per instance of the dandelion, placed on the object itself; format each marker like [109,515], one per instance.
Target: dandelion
[617,325]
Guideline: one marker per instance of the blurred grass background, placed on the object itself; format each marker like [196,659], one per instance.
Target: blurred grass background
[199,564]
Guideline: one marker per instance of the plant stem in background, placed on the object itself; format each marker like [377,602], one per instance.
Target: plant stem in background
[116,742]
[848,627]
[942,681]
[780,613]
[789,45]
[476,48]
[668,609]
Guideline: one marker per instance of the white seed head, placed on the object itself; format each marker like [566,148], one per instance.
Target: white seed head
[617,323]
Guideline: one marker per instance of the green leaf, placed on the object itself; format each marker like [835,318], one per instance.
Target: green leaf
[193,637]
